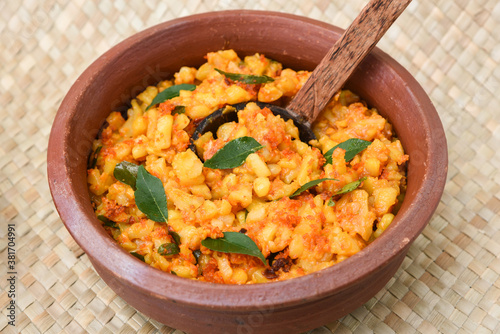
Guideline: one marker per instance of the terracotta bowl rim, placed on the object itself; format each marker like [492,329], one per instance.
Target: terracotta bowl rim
[308,288]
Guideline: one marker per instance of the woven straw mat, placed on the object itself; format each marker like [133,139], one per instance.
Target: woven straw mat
[449,281]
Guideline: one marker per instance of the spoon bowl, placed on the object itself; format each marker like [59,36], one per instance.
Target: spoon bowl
[230,114]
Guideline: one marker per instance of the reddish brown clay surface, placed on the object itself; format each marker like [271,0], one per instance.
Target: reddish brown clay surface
[290,306]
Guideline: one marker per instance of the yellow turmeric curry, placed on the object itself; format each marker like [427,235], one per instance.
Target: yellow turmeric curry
[288,209]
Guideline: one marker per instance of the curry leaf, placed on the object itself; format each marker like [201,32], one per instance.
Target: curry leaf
[246,78]
[107,222]
[197,253]
[139,256]
[350,187]
[93,157]
[168,249]
[179,110]
[351,146]
[309,185]
[176,237]
[150,196]
[234,242]
[170,92]
[234,153]
[126,172]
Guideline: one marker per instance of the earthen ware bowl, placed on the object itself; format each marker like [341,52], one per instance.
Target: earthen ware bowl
[290,306]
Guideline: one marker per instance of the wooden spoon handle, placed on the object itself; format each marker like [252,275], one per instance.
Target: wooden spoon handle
[341,60]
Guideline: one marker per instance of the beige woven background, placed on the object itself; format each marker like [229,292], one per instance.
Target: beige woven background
[450,280]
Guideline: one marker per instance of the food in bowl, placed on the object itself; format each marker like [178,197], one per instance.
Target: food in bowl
[285,209]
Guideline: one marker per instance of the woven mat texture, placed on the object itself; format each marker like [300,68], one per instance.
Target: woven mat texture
[448,283]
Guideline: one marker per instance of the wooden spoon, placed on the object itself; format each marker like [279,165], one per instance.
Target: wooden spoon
[331,73]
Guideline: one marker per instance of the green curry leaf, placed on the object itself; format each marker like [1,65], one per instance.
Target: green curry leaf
[179,110]
[351,146]
[176,237]
[246,78]
[197,253]
[233,154]
[234,242]
[139,256]
[168,249]
[107,222]
[126,172]
[150,196]
[350,187]
[170,92]
[93,157]
[310,184]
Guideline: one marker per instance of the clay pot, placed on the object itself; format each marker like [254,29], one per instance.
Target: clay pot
[289,306]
